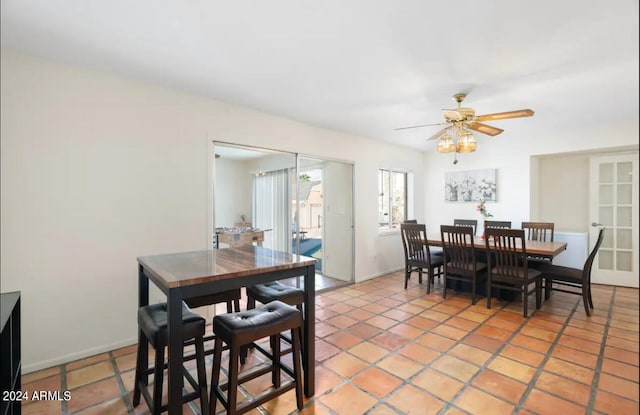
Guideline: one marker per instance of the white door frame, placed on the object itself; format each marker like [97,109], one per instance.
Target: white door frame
[602,273]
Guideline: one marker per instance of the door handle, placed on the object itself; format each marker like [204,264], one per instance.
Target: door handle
[594,224]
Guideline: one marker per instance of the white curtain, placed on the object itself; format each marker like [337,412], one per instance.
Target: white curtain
[271,203]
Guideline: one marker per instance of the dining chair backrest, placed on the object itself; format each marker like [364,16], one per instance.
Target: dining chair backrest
[505,261]
[503,224]
[411,221]
[414,237]
[467,222]
[459,250]
[586,270]
[539,231]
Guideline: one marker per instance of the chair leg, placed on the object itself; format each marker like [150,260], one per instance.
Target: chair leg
[232,392]
[297,372]
[202,375]
[538,293]
[407,274]
[488,293]
[215,376]
[473,291]
[585,300]
[419,275]
[275,360]
[444,287]
[547,288]
[590,299]
[157,381]
[140,371]
[525,298]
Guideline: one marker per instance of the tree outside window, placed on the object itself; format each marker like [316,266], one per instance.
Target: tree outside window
[392,199]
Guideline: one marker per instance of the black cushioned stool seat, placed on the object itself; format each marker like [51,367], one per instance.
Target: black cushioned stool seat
[152,324]
[272,291]
[243,328]
[232,300]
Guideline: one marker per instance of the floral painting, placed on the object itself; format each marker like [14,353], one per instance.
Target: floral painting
[470,186]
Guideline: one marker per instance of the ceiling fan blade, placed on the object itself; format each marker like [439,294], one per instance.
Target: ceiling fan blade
[484,128]
[439,133]
[504,115]
[420,126]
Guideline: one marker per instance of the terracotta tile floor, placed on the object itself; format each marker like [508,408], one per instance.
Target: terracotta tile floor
[385,350]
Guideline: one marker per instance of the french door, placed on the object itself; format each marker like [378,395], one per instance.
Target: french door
[614,206]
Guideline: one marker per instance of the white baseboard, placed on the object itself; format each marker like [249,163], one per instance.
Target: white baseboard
[45,364]
[377,274]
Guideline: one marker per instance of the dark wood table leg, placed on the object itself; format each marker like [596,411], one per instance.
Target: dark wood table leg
[143,300]
[174,325]
[309,331]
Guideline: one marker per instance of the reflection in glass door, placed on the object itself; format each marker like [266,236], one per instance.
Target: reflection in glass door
[614,206]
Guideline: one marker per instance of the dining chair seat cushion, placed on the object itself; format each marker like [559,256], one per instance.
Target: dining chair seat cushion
[247,326]
[436,260]
[273,290]
[560,273]
[152,320]
[532,274]
[455,267]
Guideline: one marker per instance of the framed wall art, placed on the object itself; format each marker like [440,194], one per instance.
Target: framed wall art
[470,186]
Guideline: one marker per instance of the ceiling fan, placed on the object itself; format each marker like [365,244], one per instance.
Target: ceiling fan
[463,119]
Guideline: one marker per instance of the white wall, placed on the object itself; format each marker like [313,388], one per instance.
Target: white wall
[97,170]
[233,193]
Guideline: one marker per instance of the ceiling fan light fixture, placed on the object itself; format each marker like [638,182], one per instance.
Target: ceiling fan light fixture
[445,144]
[466,142]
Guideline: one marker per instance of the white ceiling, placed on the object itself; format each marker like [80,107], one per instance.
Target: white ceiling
[359,66]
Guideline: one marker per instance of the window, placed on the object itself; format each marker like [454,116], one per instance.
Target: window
[392,200]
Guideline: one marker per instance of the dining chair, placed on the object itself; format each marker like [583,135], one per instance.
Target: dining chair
[538,231]
[502,224]
[460,262]
[572,277]
[467,222]
[508,268]
[417,254]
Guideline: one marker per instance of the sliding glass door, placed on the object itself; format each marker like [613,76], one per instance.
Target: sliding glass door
[286,202]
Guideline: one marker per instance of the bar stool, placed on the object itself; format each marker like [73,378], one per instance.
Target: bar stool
[244,328]
[232,300]
[152,322]
[273,291]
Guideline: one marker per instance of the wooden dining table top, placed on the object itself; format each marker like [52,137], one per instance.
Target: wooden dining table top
[542,248]
[187,268]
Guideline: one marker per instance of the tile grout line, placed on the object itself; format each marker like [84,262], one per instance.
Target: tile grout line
[447,404]
[64,407]
[124,393]
[546,358]
[603,344]
[485,365]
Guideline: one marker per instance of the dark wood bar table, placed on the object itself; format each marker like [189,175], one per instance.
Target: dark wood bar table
[191,274]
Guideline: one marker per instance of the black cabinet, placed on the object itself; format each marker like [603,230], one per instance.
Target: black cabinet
[10,363]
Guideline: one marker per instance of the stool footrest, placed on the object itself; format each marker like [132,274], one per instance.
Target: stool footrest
[254,403]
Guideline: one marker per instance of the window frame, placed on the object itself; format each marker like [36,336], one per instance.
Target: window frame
[390,226]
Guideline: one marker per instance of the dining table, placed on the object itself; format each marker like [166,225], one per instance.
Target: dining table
[545,249]
[539,249]
[192,274]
